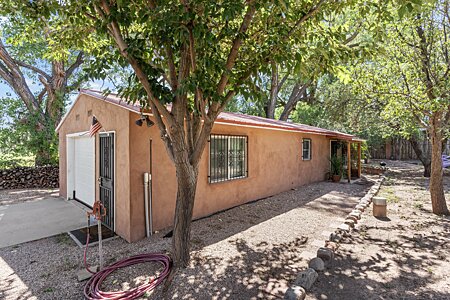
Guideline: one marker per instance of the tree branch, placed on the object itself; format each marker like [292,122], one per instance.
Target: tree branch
[75,65]
[33,68]
[235,47]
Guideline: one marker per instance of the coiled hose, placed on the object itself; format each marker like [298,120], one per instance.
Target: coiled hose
[92,289]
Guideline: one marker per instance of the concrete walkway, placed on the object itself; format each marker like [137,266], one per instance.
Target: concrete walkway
[28,221]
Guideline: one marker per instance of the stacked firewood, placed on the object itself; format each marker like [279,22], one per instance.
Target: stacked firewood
[29,177]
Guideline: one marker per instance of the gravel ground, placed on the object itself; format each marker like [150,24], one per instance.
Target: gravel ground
[405,256]
[249,252]
[26,195]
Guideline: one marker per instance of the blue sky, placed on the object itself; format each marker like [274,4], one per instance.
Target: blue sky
[36,87]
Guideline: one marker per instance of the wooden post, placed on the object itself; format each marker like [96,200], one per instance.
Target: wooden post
[359,160]
[349,163]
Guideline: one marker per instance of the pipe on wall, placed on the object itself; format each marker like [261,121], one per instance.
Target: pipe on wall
[148,204]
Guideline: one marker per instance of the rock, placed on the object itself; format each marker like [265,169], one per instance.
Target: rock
[306,278]
[360,207]
[366,198]
[317,264]
[335,237]
[326,254]
[356,214]
[344,227]
[353,218]
[295,293]
[350,223]
[364,203]
[332,245]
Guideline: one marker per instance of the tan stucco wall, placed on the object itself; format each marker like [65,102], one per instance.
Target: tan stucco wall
[112,118]
[274,165]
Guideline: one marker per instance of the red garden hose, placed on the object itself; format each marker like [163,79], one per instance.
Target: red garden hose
[92,288]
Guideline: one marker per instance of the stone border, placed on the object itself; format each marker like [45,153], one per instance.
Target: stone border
[325,255]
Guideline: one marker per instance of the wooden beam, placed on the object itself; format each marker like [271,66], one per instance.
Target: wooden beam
[359,160]
[349,163]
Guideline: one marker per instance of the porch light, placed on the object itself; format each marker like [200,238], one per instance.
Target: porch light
[147,120]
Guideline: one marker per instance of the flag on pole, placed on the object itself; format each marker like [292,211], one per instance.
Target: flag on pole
[95,127]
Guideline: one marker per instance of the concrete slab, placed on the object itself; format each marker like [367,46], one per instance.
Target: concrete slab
[28,221]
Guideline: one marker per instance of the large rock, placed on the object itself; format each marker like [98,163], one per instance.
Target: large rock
[326,254]
[295,293]
[306,278]
[317,264]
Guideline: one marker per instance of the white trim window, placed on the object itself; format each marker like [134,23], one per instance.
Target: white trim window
[227,157]
[306,149]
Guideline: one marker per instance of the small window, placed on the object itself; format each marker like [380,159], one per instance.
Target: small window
[306,149]
[227,157]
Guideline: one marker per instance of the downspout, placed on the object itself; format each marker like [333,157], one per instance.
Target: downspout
[148,205]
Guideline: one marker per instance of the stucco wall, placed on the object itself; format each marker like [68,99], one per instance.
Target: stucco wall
[112,118]
[274,161]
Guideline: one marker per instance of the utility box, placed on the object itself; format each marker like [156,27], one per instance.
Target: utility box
[379,207]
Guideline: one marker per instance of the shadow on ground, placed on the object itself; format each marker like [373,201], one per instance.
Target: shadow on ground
[392,272]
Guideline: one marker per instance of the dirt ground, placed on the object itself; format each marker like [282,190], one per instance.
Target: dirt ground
[249,252]
[405,256]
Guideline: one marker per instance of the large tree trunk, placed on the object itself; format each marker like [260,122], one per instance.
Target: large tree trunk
[187,184]
[439,206]
[187,175]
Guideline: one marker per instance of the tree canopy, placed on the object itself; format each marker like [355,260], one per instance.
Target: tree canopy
[27,60]
[198,56]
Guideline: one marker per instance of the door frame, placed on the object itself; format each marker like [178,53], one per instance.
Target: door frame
[70,185]
[97,168]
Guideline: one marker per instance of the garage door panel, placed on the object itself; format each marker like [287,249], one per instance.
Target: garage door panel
[84,169]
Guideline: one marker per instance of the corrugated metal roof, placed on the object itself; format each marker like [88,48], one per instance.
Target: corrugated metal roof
[230,118]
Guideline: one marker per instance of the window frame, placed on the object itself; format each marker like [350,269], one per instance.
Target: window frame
[309,149]
[228,137]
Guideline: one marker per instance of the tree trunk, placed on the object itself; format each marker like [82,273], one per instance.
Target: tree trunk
[272,101]
[423,156]
[187,176]
[427,170]
[439,206]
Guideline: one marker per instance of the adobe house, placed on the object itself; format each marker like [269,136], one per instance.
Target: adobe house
[247,158]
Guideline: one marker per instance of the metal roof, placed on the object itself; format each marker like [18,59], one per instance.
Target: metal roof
[229,118]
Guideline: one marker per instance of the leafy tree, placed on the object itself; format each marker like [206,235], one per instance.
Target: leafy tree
[27,58]
[341,36]
[412,78]
[195,55]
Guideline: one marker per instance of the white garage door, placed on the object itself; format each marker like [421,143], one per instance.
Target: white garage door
[81,168]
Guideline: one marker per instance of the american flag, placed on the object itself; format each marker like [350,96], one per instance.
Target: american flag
[95,127]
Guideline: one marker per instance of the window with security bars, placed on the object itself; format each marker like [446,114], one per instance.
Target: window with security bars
[306,149]
[227,157]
